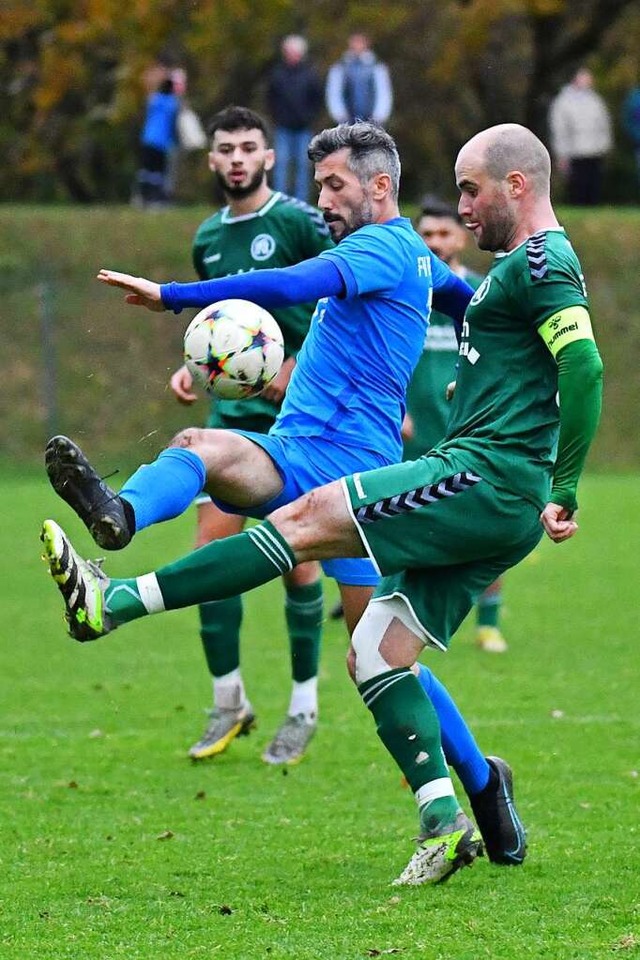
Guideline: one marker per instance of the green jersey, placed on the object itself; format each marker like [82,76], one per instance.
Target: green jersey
[283,232]
[426,397]
[504,413]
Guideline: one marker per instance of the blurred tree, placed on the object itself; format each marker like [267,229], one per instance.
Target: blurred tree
[73,74]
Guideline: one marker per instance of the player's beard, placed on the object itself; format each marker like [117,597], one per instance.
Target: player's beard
[497,232]
[235,192]
[361,216]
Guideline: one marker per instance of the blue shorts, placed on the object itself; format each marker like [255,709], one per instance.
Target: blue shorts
[303,464]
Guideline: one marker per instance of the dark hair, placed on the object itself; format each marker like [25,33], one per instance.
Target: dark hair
[432,206]
[372,150]
[166,86]
[239,118]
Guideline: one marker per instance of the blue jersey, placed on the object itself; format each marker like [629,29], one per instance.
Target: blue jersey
[355,364]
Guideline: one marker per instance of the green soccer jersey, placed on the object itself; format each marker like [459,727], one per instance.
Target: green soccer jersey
[426,397]
[504,413]
[283,232]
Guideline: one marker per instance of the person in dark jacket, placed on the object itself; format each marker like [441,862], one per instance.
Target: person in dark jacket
[294,97]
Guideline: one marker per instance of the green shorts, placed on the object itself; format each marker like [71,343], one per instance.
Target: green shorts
[439,535]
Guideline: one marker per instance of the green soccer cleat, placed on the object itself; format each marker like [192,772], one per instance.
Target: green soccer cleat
[439,856]
[223,727]
[81,583]
[291,741]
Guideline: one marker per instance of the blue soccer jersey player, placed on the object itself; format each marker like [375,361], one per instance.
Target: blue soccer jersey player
[346,399]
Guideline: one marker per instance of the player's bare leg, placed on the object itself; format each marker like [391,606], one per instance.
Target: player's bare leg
[226,464]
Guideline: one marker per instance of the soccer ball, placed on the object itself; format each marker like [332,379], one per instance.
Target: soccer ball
[233,348]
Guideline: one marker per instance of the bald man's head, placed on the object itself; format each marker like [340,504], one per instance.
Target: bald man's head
[508,147]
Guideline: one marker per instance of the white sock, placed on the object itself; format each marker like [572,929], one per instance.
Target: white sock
[228,691]
[304,699]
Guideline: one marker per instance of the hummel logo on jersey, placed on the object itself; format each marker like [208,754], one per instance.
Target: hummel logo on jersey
[414,499]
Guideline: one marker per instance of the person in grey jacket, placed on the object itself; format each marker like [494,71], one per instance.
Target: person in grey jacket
[358,85]
[580,128]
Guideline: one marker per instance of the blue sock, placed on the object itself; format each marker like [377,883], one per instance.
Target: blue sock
[460,748]
[165,488]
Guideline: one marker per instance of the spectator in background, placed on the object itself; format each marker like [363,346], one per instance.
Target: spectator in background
[157,140]
[580,127]
[294,97]
[631,122]
[358,85]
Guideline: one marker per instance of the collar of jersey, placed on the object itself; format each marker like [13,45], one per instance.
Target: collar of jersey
[507,253]
[273,199]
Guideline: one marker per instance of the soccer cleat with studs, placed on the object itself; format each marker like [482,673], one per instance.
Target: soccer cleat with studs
[504,836]
[98,506]
[440,855]
[81,583]
[291,741]
[223,727]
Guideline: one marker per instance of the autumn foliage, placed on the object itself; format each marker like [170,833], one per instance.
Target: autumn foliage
[74,75]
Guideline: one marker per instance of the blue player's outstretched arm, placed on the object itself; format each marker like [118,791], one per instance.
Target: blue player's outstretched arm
[305,282]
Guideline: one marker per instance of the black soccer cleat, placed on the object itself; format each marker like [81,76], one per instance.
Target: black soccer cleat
[98,506]
[505,839]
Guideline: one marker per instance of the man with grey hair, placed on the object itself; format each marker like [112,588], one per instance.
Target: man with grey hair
[294,99]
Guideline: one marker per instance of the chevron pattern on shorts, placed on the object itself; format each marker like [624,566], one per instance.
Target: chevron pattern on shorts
[537,255]
[414,499]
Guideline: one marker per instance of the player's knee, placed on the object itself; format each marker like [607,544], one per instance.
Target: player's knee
[190,438]
[295,523]
[366,640]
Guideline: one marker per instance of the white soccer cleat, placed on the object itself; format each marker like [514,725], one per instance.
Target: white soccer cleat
[439,856]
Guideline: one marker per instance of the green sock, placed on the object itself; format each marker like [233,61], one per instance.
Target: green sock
[408,726]
[303,611]
[220,622]
[488,609]
[221,569]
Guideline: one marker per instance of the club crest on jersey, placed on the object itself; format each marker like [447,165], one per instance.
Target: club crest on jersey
[262,246]
[481,292]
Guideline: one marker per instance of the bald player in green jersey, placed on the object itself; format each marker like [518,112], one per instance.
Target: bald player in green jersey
[428,407]
[440,529]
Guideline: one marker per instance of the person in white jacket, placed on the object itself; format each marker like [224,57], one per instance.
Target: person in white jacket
[580,128]
[359,86]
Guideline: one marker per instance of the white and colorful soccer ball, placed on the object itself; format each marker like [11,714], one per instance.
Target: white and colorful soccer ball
[233,348]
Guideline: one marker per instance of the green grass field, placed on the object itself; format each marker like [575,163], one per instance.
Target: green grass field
[114,845]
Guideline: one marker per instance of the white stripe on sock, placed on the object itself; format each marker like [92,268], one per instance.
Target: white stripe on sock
[443,787]
[150,593]
[272,549]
